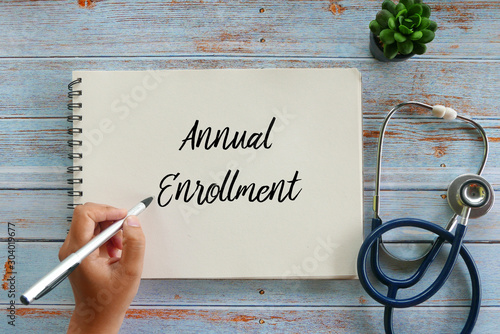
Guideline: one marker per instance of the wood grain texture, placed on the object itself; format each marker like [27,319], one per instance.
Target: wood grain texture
[268,320]
[292,28]
[37,87]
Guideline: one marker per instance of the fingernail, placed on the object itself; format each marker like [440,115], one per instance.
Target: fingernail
[133,221]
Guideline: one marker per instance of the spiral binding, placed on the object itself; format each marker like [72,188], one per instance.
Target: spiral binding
[74,143]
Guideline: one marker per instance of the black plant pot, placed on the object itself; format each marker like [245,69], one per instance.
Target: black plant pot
[378,52]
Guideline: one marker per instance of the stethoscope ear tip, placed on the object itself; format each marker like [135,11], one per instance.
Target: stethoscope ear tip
[444,112]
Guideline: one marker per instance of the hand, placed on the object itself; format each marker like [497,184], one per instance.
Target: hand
[107,280]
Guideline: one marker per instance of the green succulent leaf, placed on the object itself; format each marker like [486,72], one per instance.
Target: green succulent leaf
[405,47]
[408,23]
[416,19]
[382,18]
[426,10]
[427,36]
[387,36]
[424,23]
[419,49]
[416,36]
[375,27]
[399,37]
[407,3]
[390,6]
[401,19]
[401,13]
[418,1]
[390,50]
[415,9]
[432,26]
[405,30]
[392,24]
[400,7]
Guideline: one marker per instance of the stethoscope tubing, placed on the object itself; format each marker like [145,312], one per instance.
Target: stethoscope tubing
[373,242]
[401,283]
[475,302]
[394,284]
[370,246]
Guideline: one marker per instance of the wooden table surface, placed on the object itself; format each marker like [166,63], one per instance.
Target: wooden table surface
[41,42]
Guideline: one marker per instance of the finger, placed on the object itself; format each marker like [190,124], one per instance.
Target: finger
[97,229]
[85,219]
[102,251]
[102,212]
[63,251]
[105,224]
[108,249]
[117,240]
[134,244]
[112,250]
[114,245]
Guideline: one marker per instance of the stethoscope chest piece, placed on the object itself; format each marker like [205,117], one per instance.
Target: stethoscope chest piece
[473,191]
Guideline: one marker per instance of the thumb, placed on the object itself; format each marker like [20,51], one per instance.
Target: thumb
[134,245]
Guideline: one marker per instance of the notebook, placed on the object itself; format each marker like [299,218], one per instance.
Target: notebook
[255,173]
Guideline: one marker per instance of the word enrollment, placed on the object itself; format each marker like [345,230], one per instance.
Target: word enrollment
[229,190]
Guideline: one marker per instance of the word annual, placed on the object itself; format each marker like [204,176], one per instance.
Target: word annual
[207,139]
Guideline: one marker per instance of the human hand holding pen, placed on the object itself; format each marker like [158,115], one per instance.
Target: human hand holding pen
[106,281]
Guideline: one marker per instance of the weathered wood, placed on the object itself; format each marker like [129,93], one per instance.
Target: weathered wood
[45,219]
[267,320]
[292,28]
[34,177]
[38,87]
[35,258]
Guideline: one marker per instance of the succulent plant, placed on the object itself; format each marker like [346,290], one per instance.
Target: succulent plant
[404,28]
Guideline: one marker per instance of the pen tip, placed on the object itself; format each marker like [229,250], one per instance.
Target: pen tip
[147,201]
[25,300]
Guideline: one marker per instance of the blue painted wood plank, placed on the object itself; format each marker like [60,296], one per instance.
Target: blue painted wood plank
[267,320]
[296,28]
[38,87]
[35,258]
[34,177]
[36,214]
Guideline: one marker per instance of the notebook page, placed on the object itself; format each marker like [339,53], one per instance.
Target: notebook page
[254,173]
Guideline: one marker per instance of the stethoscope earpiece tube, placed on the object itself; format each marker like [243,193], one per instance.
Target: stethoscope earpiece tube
[440,112]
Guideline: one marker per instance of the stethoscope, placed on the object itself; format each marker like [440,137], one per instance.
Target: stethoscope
[469,195]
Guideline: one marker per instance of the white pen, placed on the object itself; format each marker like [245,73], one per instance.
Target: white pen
[63,269]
